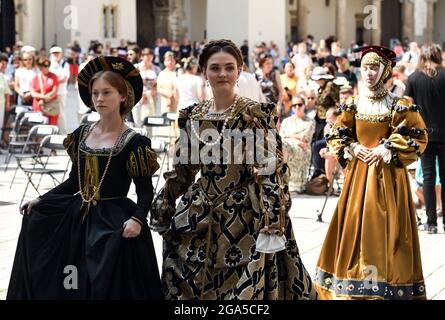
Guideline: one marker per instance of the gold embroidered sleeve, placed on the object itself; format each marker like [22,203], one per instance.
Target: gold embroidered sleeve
[409,136]
[343,133]
[177,181]
[142,160]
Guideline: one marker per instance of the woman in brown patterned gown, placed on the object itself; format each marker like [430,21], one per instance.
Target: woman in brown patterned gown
[230,236]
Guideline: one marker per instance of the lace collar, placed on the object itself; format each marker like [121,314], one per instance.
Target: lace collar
[123,140]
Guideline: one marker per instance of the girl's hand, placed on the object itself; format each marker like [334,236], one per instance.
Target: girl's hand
[360,152]
[27,207]
[374,156]
[131,229]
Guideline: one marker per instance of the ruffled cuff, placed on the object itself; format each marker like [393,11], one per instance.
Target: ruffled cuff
[270,243]
[348,151]
[385,153]
[161,214]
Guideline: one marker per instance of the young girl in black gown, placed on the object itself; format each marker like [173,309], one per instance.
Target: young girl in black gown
[85,239]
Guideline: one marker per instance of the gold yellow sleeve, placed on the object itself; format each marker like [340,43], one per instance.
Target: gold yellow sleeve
[409,136]
[343,133]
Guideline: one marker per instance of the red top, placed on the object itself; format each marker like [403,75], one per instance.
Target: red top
[49,82]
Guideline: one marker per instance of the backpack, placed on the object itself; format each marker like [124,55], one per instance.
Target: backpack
[318,185]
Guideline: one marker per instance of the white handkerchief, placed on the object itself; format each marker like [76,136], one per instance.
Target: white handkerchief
[272,243]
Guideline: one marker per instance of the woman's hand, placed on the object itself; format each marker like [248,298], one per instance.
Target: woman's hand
[360,152]
[374,156]
[303,145]
[27,207]
[131,229]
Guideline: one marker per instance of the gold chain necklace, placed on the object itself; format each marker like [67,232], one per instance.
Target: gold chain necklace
[84,200]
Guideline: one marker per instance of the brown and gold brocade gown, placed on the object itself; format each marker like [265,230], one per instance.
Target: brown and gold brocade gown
[371,250]
[210,235]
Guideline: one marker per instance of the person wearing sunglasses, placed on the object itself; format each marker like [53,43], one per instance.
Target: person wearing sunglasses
[297,131]
[44,89]
[23,79]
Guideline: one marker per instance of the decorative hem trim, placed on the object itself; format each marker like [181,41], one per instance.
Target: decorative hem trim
[366,288]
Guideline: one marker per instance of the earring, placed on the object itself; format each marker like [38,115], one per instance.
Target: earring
[237,82]
[207,83]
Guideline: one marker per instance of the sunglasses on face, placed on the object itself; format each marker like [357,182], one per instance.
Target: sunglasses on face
[44,66]
[299,105]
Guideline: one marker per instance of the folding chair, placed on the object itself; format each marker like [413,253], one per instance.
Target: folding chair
[31,147]
[141,131]
[90,118]
[21,134]
[161,149]
[14,115]
[166,121]
[172,116]
[40,167]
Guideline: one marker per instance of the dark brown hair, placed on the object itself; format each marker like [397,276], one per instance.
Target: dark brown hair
[147,51]
[263,58]
[216,46]
[115,80]
[330,68]
[43,61]
[430,60]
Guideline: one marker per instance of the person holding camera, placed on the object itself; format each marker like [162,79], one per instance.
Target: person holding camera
[23,79]
[289,82]
[44,91]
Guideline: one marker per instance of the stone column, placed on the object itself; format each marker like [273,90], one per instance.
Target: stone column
[341,15]
[408,19]
[377,32]
[31,23]
[177,28]
[429,31]
[302,19]
[161,11]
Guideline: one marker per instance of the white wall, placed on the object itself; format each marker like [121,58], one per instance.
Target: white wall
[32,23]
[267,22]
[439,27]
[224,23]
[252,20]
[354,7]
[90,21]
[57,32]
[196,15]
[321,19]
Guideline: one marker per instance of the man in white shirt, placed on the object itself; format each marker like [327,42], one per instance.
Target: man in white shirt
[411,58]
[249,87]
[62,70]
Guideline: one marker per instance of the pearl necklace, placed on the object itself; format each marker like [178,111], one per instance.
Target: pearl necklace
[203,111]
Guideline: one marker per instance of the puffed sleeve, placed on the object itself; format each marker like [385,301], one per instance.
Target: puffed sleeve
[409,136]
[70,185]
[342,133]
[178,180]
[141,165]
[271,174]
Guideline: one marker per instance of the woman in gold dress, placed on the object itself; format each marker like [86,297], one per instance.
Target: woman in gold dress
[230,236]
[371,250]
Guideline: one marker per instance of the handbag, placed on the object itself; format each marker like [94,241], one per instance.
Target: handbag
[51,108]
[318,185]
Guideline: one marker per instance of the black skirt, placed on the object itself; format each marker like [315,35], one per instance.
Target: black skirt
[59,257]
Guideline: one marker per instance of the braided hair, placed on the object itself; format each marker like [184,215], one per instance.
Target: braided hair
[216,46]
